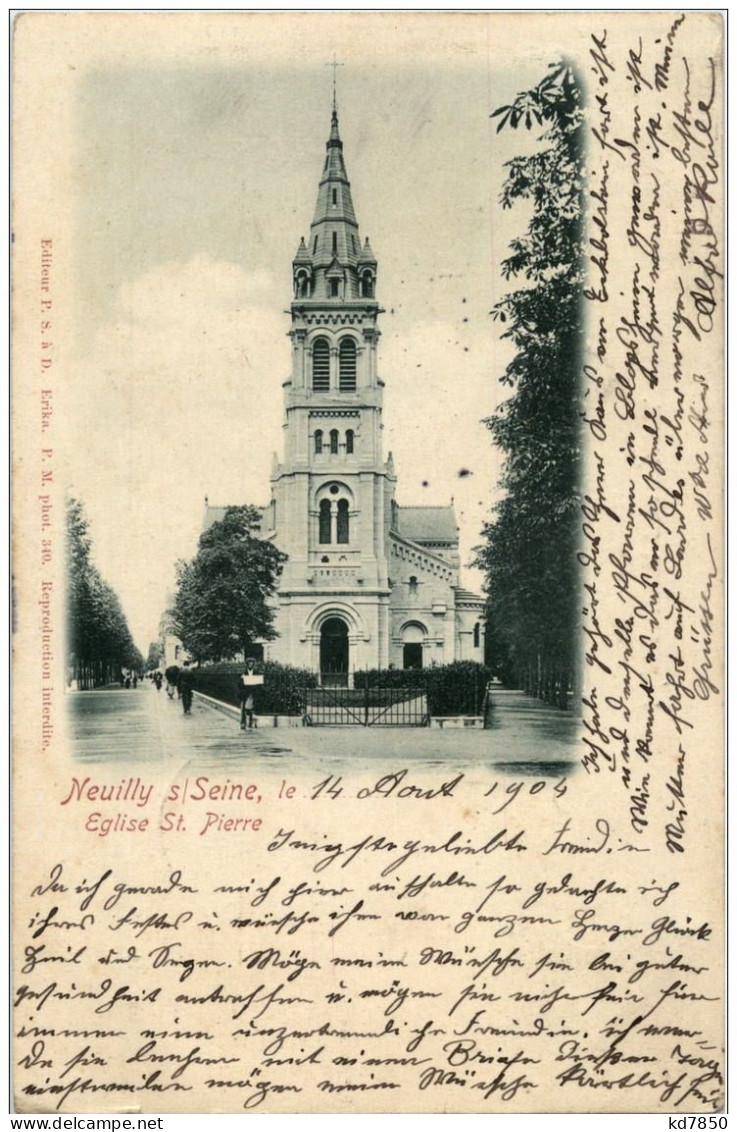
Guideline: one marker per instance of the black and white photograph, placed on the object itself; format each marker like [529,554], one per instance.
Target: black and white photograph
[407,555]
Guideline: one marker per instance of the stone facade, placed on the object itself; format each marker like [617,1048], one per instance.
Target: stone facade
[367,583]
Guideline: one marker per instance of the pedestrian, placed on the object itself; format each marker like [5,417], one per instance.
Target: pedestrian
[247,683]
[158,681]
[172,678]
[186,683]
[127,681]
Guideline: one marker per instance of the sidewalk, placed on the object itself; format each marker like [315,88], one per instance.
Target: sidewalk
[144,726]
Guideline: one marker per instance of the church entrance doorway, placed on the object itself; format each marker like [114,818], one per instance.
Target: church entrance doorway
[334,652]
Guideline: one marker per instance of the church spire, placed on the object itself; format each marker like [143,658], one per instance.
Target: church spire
[337,268]
[334,202]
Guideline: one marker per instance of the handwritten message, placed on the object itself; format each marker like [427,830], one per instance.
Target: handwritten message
[651,519]
[444,941]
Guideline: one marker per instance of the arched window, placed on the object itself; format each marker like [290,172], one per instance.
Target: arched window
[413,585]
[347,364]
[334,441]
[343,520]
[325,521]
[318,441]
[321,365]
[335,288]
[335,243]
[349,441]
[314,246]
[367,286]
[477,635]
[335,196]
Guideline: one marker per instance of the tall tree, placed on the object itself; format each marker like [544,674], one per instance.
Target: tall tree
[155,655]
[529,549]
[221,606]
[99,641]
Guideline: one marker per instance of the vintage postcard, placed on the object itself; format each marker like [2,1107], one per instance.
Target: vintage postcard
[368,567]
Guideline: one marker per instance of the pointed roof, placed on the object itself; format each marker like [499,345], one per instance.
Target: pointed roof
[333,253]
[302,256]
[367,255]
[428,524]
[216,513]
[334,200]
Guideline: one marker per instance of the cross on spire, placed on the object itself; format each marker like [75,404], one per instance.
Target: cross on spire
[335,66]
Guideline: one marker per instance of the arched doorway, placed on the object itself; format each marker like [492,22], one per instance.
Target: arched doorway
[413,636]
[334,651]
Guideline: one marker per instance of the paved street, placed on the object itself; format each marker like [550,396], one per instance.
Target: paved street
[144,726]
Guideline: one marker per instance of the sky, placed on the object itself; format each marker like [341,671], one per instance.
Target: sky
[196,182]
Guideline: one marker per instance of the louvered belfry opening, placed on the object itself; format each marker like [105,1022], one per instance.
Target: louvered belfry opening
[347,365]
[321,365]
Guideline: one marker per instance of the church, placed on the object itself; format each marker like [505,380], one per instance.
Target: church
[368,583]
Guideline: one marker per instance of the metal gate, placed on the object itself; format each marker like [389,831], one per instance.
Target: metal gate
[366,707]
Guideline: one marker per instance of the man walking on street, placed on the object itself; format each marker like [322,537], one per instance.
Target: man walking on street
[172,680]
[186,685]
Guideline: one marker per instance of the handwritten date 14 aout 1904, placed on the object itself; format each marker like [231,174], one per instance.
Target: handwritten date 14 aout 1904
[395,785]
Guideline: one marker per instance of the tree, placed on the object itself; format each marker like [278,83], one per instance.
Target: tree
[99,641]
[221,606]
[155,655]
[530,542]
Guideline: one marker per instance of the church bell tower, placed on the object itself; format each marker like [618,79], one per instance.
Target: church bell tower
[333,494]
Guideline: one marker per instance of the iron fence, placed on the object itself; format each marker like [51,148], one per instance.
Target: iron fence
[367,707]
